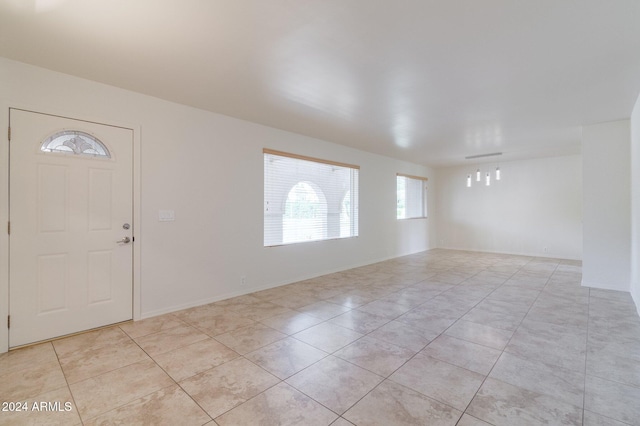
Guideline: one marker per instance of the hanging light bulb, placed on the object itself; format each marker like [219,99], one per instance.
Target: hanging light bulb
[487,174]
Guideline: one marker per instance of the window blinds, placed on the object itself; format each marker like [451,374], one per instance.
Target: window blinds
[308,199]
[411,196]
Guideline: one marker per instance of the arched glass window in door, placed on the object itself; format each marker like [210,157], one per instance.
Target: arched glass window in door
[75,142]
[305,214]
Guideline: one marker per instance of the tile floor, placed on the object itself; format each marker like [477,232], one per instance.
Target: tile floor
[437,338]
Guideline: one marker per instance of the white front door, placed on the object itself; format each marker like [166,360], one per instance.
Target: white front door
[70,212]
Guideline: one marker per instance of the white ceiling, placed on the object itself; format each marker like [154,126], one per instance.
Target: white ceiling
[429,81]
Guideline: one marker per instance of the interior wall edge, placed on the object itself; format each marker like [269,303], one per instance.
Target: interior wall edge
[249,290]
[512,253]
[603,286]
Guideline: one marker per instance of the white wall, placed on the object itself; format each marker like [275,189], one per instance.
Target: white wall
[635,204]
[209,169]
[535,209]
[607,205]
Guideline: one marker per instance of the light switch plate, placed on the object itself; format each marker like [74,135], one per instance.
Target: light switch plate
[166,215]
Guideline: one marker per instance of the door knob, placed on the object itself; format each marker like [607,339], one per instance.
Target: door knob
[124,240]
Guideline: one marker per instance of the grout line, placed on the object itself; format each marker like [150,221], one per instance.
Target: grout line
[418,268]
[515,331]
[67,382]
[586,356]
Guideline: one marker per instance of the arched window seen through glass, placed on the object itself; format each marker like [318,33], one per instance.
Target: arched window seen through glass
[305,214]
[345,216]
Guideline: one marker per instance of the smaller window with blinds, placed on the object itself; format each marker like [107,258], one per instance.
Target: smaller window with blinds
[411,196]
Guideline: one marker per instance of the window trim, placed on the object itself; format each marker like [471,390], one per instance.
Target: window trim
[412,176]
[306,158]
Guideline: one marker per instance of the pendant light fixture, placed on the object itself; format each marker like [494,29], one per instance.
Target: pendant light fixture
[487,179]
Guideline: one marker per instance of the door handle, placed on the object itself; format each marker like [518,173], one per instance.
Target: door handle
[124,240]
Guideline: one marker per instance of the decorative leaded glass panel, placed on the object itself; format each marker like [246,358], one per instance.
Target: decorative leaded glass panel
[75,142]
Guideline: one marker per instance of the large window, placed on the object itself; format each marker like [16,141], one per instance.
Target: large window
[411,196]
[307,199]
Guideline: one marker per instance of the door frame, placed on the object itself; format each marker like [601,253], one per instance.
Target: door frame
[5,107]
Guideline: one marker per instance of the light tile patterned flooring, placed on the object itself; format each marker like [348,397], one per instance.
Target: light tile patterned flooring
[436,338]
